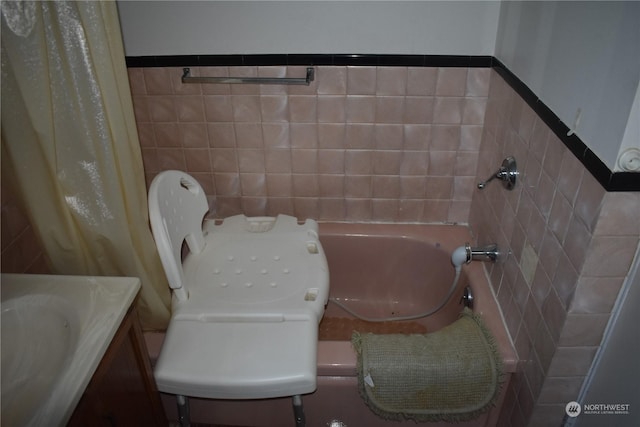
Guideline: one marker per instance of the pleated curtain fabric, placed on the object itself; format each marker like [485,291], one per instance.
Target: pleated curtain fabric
[70,145]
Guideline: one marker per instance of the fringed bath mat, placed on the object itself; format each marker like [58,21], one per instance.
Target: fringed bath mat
[453,374]
[341,328]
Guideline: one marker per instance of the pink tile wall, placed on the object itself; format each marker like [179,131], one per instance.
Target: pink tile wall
[360,143]
[568,246]
[21,249]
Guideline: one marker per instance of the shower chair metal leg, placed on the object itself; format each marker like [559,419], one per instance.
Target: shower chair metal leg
[183,411]
[298,411]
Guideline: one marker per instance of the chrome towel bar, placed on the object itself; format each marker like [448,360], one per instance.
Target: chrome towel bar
[187,78]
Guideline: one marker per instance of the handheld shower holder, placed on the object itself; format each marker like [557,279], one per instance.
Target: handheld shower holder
[483,253]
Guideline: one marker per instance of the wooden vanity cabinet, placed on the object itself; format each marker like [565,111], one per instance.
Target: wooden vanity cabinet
[122,391]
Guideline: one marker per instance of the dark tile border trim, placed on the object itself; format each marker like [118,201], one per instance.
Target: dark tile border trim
[618,181]
[304,59]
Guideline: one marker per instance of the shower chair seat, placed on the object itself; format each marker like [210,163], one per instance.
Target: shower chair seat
[247,298]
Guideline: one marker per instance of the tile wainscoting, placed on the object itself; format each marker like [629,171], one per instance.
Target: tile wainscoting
[569,246]
[362,143]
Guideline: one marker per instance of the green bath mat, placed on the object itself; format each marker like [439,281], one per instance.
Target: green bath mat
[453,374]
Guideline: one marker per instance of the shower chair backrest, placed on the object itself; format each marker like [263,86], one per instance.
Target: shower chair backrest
[177,205]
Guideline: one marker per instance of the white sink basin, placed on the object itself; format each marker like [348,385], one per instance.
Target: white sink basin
[39,335]
[55,330]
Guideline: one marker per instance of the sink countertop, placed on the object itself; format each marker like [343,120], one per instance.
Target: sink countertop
[89,311]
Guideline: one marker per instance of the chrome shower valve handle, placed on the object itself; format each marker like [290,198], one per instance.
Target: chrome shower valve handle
[507,173]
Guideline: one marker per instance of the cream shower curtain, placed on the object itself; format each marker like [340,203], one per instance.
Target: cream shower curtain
[69,144]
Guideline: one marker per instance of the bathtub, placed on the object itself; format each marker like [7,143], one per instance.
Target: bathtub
[380,271]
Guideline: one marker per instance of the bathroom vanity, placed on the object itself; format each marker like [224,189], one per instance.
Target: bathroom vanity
[122,391]
[73,353]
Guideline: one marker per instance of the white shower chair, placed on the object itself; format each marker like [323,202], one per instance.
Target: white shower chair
[247,299]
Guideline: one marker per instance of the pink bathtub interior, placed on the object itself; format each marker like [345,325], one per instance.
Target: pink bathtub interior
[377,270]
